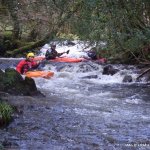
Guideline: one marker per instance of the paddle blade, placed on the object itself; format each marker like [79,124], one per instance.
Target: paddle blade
[68,51]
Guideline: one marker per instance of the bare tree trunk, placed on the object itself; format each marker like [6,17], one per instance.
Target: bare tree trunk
[142,74]
[13,10]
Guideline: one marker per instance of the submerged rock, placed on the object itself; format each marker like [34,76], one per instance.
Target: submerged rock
[61,67]
[127,78]
[87,67]
[70,43]
[9,144]
[109,70]
[90,77]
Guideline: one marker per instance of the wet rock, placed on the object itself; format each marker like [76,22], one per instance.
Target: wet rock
[90,77]
[30,85]
[127,78]
[13,83]
[1,79]
[109,70]
[8,144]
[1,72]
[70,43]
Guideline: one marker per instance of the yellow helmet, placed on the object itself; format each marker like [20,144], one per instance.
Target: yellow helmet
[30,55]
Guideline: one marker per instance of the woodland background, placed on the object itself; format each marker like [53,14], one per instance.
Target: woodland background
[123,24]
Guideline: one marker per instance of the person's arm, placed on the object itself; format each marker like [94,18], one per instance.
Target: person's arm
[35,64]
[59,54]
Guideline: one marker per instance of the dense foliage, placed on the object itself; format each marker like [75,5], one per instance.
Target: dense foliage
[123,24]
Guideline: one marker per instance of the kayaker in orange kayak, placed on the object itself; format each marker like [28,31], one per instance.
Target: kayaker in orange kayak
[51,53]
[27,64]
[92,54]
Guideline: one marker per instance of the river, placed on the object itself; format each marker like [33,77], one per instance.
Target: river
[80,113]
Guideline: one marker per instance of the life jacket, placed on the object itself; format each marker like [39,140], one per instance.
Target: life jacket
[51,54]
[25,65]
[92,55]
[25,68]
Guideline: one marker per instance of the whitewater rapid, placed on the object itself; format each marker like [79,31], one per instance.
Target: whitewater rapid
[79,112]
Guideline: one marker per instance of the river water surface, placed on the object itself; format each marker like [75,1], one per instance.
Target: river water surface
[81,113]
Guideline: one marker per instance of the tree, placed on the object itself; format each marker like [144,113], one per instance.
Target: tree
[123,24]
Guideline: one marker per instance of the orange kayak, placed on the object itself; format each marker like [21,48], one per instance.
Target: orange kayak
[102,60]
[66,59]
[61,59]
[42,74]
[39,58]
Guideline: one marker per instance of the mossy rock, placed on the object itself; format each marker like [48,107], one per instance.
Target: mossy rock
[11,77]
[25,87]
[1,74]
[30,84]
[13,83]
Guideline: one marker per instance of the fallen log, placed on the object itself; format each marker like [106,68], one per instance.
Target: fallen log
[142,74]
[25,48]
[31,46]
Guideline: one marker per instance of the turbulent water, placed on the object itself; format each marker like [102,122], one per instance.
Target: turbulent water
[83,113]
[101,113]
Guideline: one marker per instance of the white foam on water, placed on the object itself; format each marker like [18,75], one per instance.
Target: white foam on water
[76,50]
[71,82]
[85,111]
[133,101]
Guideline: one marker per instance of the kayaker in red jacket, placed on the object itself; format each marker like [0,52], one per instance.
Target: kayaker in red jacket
[27,64]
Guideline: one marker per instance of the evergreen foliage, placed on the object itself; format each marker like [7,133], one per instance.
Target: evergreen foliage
[124,25]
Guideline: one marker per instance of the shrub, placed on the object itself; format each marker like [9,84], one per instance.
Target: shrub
[5,113]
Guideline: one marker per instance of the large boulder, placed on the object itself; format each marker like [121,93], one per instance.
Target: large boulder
[13,83]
